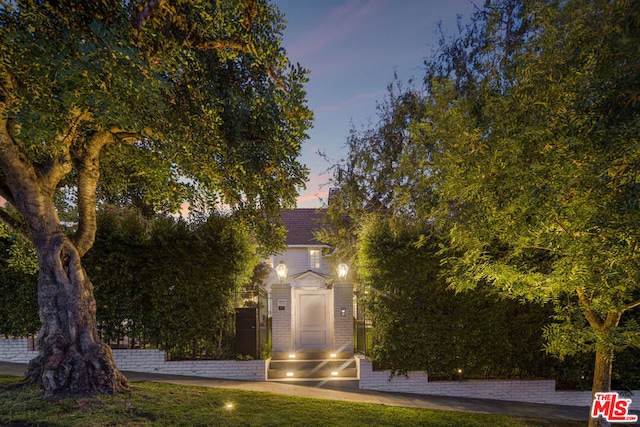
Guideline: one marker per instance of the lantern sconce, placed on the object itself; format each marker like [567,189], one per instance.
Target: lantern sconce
[343,270]
[282,271]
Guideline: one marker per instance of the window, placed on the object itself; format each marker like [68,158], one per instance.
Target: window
[314,258]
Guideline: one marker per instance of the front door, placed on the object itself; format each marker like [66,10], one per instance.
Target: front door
[313,325]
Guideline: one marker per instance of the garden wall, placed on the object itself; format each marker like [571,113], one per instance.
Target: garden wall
[531,391]
[15,350]
[155,362]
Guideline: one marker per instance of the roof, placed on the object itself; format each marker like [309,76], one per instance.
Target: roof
[301,224]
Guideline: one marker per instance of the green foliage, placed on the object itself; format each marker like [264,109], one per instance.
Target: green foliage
[369,178]
[168,282]
[18,286]
[419,324]
[522,155]
[199,100]
[542,163]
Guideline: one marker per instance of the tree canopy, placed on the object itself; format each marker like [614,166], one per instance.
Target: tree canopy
[537,179]
[152,103]
[523,154]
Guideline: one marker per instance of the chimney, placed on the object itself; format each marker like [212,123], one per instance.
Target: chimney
[333,193]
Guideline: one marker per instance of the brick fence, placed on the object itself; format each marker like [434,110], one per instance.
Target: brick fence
[532,391]
[155,362]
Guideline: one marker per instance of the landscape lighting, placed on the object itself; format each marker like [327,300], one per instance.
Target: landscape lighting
[343,270]
[282,271]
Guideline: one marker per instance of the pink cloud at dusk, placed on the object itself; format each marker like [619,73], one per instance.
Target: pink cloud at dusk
[353,49]
[341,23]
[354,99]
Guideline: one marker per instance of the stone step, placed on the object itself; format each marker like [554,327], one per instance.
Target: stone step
[343,384]
[315,365]
[304,374]
[332,364]
[312,355]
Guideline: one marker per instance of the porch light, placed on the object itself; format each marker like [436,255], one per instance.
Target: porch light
[282,271]
[292,356]
[343,270]
[334,373]
[289,374]
[333,355]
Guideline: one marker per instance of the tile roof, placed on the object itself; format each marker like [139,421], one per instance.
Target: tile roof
[300,225]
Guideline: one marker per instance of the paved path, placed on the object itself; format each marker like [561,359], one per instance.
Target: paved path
[366,396]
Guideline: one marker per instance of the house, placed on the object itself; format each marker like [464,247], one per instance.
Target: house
[311,309]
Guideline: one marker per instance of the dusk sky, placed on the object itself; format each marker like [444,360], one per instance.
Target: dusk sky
[353,48]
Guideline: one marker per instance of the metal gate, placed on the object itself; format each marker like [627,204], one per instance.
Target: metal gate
[363,326]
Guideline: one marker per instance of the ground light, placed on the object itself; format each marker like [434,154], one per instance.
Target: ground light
[229,405]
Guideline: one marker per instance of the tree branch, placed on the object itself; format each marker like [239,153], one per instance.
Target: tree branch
[13,223]
[87,160]
[632,305]
[219,44]
[58,166]
[591,317]
[5,192]
[143,15]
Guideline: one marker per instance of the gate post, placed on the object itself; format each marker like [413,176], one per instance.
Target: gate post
[281,317]
[343,317]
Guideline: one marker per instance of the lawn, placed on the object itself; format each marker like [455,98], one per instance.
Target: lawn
[173,405]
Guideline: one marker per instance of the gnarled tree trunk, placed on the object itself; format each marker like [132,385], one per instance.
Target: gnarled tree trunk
[71,359]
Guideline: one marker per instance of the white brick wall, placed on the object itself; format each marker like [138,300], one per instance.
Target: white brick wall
[154,361]
[343,326]
[15,350]
[535,391]
[281,319]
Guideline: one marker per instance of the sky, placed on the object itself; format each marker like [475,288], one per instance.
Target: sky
[353,48]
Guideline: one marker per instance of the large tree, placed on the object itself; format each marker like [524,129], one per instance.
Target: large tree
[169,97]
[525,156]
[535,116]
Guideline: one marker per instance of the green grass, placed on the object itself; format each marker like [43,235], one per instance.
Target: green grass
[173,405]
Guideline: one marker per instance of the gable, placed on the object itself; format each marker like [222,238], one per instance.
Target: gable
[309,275]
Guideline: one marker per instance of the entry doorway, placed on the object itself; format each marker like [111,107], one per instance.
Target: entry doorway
[312,319]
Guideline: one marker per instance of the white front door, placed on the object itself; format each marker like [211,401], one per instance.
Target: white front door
[312,319]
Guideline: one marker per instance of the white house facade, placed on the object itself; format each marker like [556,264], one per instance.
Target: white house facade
[311,309]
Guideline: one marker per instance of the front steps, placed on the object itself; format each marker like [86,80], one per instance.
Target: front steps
[312,366]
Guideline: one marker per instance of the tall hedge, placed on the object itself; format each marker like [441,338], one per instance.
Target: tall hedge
[18,285]
[419,324]
[169,283]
